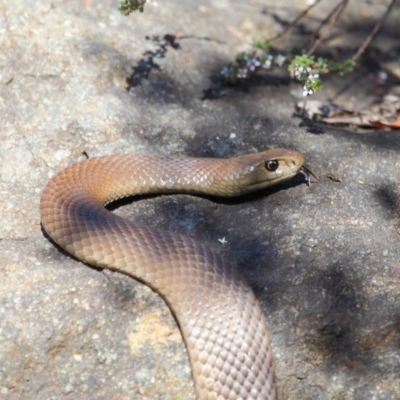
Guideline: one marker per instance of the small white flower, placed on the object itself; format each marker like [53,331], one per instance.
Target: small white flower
[267,64]
[242,73]
[226,71]
[280,59]
[307,91]
[223,240]
[250,65]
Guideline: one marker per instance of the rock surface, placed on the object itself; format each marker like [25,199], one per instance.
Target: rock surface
[323,260]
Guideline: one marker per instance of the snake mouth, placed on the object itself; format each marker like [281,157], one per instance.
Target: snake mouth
[308,174]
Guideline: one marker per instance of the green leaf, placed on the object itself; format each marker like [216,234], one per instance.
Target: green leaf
[129,6]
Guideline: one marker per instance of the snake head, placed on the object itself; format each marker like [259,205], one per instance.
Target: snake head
[269,168]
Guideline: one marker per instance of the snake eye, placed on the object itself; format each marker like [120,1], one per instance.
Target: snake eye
[272,165]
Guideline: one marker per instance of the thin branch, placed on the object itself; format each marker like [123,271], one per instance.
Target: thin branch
[317,33]
[294,22]
[374,31]
[332,18]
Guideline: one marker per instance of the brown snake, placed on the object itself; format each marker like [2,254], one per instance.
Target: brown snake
[221,322]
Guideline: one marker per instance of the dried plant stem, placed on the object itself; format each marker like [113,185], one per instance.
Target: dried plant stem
[317,33]
[332,18]
[294,22]
[374,31]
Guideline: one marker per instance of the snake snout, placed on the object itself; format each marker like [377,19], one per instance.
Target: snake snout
[296,161]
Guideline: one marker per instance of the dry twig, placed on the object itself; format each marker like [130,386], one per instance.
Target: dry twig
[294,22]
[332,18]
[374,31]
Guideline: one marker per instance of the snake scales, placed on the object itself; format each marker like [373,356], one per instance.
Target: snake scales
[220,320]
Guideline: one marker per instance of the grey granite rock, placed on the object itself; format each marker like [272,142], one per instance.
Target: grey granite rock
[323,260]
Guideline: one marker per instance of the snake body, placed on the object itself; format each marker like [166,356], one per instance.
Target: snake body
[221,322]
